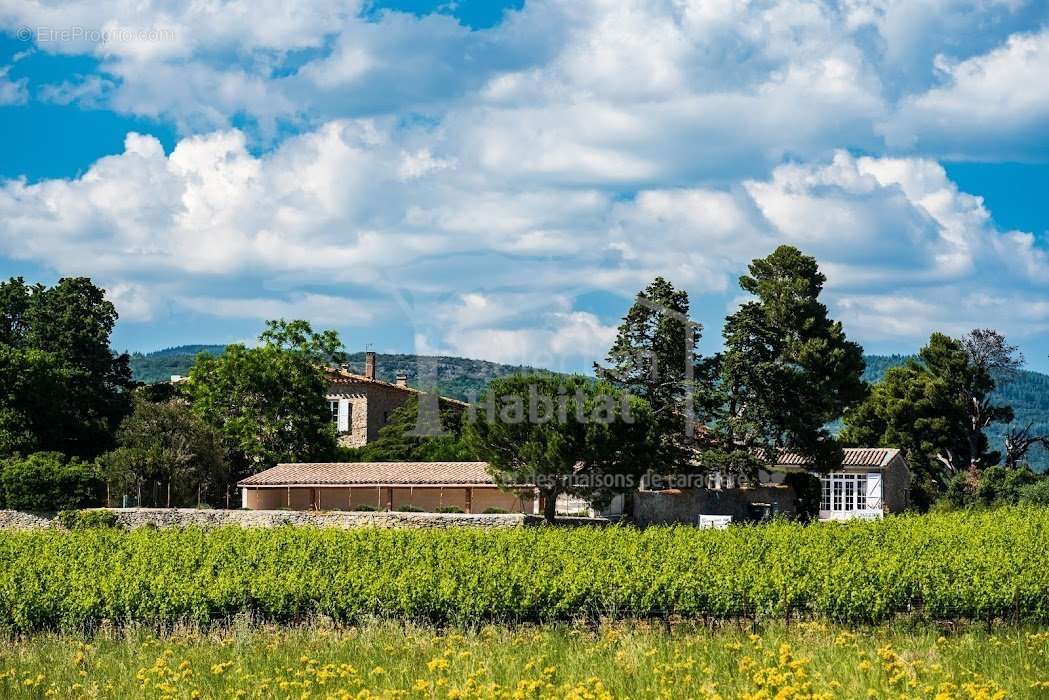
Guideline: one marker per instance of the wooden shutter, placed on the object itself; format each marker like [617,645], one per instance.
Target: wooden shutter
[344,415]
[874,491]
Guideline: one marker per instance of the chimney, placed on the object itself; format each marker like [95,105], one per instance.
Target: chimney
[369,364]
[402,379]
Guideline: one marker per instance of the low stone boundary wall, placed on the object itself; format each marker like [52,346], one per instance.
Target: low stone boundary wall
[179,517]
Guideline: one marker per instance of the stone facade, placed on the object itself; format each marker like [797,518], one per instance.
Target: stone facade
[896,485]
[685,505]
[370,401]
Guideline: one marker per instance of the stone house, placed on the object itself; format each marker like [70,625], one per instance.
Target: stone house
[361,405]
[870,483]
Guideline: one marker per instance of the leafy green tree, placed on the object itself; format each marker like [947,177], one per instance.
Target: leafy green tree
[49,481]
[787,369]
[994,486]
[61,387]
[399,440]
[268,401]
[937,406]
[166,444]
[911,410]
[654,358]
[564,434]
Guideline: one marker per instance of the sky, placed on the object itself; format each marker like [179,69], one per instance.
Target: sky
[498,181]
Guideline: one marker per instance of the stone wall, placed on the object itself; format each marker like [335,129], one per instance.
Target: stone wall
[179,517]
[686,505]
[17,520]
[896,485]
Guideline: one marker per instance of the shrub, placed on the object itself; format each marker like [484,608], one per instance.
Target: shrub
[994,486]
[409,509]
[365,508]
[449,509]
[87,519]
[807,494]
[495,511]
[49,481]
[1037,493]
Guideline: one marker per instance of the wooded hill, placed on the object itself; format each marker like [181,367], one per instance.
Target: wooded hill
[458,377]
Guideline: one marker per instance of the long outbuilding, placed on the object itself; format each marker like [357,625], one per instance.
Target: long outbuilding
[428,486]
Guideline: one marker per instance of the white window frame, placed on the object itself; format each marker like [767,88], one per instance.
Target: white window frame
[333,408]
[849,494]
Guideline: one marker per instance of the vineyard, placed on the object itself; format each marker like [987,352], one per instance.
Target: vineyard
[978,566]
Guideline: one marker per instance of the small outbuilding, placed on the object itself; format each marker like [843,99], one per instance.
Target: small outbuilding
[427,486]
[871,481]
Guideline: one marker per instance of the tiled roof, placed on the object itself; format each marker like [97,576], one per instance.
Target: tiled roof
[341,376]
[852,457]
[373,474]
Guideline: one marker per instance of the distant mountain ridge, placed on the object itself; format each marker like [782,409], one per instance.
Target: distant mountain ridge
[461,378]
[457,377]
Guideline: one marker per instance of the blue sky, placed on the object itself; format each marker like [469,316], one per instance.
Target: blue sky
[497,181]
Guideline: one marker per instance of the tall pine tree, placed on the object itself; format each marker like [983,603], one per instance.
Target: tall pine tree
[654,358]
[787,369]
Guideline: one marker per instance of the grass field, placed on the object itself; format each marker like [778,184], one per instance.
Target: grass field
[622,660]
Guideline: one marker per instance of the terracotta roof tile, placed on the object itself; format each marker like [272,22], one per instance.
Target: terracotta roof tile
[373,474]
[852,457]
[340,376]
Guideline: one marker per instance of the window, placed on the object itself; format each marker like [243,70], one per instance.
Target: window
[333,406]
[843,492]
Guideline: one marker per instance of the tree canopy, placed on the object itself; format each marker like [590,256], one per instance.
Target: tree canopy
[165,444]
[563,434]
[268,401]
[787,369]
[937,406]
[654,357]
[61,387]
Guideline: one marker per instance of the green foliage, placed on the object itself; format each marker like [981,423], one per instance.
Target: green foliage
[995,486]
[87,519]
[397,441]
[169,444]
[787,370]
[970,564]
[268,401]
[365,508]
[409,509]
[49,481]
[654,358]
[61,387]
[449,509]
[611,660]
[936,408]
[1037,493]
[495,511]
[1026,392]
[563,434]
[158,367]
[807,493]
